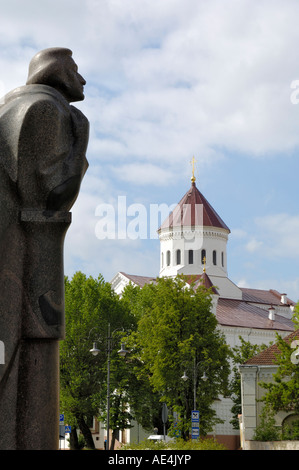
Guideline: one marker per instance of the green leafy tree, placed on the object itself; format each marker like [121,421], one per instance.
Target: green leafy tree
[144,400]
[240,354]
[90,304]
[177,332]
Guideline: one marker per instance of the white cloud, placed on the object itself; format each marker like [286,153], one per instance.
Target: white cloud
[211,77]
[171,78]
[280,234]
[254,245]
[238,233]
[243,283]
[270,236]
[142,174]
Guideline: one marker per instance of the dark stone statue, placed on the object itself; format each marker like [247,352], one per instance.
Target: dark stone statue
[43,141]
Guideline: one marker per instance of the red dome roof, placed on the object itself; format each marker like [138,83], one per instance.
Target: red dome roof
[193,210]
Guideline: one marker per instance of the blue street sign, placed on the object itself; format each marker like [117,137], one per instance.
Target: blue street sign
[67,429]
[195,432]
[195,416]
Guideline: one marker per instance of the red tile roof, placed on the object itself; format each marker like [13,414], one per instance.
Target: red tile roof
[232,312]
[263,296]
[268,356]
[139,280]
[193,209]
[197,279]
[201,279]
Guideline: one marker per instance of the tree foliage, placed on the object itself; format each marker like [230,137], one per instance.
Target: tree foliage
[283,392]
[267,429]
[177,332]
[90,304]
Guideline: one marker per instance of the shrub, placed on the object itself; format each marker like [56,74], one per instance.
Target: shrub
[266,430]
[291,432]
[177,444]
[146,444]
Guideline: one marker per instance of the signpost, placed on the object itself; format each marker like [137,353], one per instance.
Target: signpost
[61,426]
[164,417]
[195,424]
[63,430]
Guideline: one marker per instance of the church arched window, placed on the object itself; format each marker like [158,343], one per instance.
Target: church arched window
[168,258]
[214,258]
[222,259]
[190,256]
[162,260]
[203,256]
[178,256]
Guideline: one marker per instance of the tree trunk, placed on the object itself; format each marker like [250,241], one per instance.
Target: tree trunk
[86,432]
[112,443]
[114,431]
[74,443]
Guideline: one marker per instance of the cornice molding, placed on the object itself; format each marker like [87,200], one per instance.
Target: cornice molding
[190,234]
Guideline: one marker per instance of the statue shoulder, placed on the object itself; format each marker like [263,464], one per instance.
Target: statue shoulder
[43,111]
[35,98]
[22,115]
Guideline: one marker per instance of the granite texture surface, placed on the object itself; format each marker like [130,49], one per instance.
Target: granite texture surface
[43,142]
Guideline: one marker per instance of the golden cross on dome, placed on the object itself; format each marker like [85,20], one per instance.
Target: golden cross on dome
[193,169]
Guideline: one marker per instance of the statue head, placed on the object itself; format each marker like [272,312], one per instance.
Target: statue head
[55,67]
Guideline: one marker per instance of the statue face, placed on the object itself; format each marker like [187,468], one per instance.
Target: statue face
[73,81]
[55,67]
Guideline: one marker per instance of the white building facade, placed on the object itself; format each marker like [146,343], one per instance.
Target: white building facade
[261,368]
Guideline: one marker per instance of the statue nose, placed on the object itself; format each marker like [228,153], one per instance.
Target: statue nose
[82,80]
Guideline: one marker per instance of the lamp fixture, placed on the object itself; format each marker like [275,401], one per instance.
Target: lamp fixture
[123,351]
[184,377]
[95,351]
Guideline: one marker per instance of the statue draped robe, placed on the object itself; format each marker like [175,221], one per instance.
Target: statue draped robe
[43,141]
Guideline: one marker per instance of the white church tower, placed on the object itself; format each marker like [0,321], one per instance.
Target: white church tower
[193,240]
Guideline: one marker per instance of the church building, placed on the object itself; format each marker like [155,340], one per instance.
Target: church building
[193,241]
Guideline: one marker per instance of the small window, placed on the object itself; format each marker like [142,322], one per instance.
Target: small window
[214,258]
[222,259]
[190,256]
[162,260]
[178,256]
[168,258]
[203,256]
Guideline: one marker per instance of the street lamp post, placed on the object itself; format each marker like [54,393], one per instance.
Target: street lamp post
[204,378]
[122,352]
[185,378]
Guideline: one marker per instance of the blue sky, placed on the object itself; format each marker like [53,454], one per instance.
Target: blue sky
[166,80]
